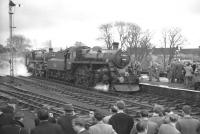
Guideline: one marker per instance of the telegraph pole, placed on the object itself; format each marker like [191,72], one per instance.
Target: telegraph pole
[11,61]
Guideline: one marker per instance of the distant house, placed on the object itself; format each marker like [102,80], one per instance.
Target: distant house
[159,51]
[189,53]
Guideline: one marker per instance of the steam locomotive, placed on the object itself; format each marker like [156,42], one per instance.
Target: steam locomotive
[85,67]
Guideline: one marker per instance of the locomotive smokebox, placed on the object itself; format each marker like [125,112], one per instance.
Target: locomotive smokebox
[115,45]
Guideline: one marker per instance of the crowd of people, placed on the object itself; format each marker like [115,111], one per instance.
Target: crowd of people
[160,121]
[185,73]
[179,72]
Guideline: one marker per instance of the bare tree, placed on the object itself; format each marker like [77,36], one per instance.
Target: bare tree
[19,42]
[145,45]
[175,40]
[164,52]
[106,34]
[133,38]
[3,49]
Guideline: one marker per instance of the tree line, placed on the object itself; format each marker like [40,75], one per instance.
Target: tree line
[19,44]
[131,37]
[138,42]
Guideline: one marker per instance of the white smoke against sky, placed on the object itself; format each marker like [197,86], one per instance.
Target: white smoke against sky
[19,66]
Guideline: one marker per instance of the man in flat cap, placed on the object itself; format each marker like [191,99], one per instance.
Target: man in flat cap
[66,121]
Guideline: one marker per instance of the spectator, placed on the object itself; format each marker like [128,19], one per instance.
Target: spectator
[7,114]
[157,116]
[121,122]
[167,113]
[46,127]
[16,126]
[101,127]
[187,124]
[13,103]
[113,110]
[91,120]
[170,128]
[79,126]
[141,128]
[66,121]
[188,75]
[52,119]
[197,79]
[51,116]
[151,127]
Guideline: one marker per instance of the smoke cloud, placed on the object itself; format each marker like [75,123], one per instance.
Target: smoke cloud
[19,66]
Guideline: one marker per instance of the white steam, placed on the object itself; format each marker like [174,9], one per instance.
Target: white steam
[102,87]
[19,66]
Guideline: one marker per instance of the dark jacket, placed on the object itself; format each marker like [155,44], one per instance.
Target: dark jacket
[45,127]
[66,124]
[188,125]
[51,120]
[122,123]
[15,127]
[5,119]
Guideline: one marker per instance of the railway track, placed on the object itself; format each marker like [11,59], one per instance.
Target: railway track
[135,102]
[99,100]
[36,101]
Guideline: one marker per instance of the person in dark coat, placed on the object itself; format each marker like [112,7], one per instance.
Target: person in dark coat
[51,119]
[6,115]
[150,126]
[46,127]
[170,127]
[66,121]
[121,122]
[15,127]
[187,124]
[157,115]
[79,126]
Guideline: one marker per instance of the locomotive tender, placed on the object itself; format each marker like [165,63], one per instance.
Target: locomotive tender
[86,67]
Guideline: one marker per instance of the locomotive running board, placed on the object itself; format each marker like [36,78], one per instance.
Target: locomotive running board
[126,88]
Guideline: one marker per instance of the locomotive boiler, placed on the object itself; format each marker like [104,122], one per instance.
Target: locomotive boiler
[87,67]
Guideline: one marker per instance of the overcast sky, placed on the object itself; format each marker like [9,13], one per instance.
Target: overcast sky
[67,21]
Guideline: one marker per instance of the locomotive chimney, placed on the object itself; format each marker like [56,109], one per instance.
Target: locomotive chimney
[50,50]
[115,45]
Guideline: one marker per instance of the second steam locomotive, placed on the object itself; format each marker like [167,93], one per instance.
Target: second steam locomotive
[85,67]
